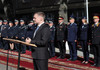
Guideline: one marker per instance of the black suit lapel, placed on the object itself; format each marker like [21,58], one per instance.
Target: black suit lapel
[40,28]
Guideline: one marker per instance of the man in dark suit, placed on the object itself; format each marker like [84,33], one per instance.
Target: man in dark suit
[96,41]
[40,38]
[61,33]
[72,39]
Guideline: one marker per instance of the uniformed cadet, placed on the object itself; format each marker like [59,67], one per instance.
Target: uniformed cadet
[22,35]
[30,31]
[4,34]
[72,39]
[61,32]
[10,33]
[16,32]
[31,28]
[84,30]
[1,26]
[96,41]
[52,38]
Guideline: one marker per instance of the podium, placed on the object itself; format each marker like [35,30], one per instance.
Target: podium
[19,42]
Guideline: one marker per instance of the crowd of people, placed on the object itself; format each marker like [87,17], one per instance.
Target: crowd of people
[15,30]
[85,34]
[60,33]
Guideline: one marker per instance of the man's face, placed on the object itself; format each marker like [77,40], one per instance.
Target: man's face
[72,20]
[10,24]
[21,23]
[83,20]
[0,23]
[31,23]
[37,19]
[96,20]
[16,23]
[5,23]
[51,24]
[60,21]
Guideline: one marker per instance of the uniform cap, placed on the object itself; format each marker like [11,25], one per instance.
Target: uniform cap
[0,20]
[21,20]
[50,22]
[5,21]
[61,18]
[16,20]
[84,18]
[72,17]
[95,17]
[31,21]
[10,22]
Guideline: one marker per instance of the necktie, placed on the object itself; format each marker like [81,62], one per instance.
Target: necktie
[36,31]
[70,24]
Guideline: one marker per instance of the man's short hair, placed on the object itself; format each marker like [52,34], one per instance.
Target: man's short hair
[42,14]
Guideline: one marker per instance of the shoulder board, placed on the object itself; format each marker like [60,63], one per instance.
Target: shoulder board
[92,25]
[98,24]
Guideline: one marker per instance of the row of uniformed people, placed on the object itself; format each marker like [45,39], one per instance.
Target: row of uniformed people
[72,33]
[69,33]
[17,31]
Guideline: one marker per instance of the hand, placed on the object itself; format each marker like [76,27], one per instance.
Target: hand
[28,40]
[16,37]
[68,23]
[22,37]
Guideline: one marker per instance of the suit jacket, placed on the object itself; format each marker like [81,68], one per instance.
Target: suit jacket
[96,34]
[72,32]
[84,29]
[41,39]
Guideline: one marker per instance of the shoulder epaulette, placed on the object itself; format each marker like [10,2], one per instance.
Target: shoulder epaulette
[98,24]
[92,25]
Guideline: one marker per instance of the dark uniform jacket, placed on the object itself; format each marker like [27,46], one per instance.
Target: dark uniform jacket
[52,30]
[72,32]
[4,30]
[16,30]
[1,27]
[22,32]
[61,32]
[84,31]
[41,39]
[96,34]
[30,31]
[10,32]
